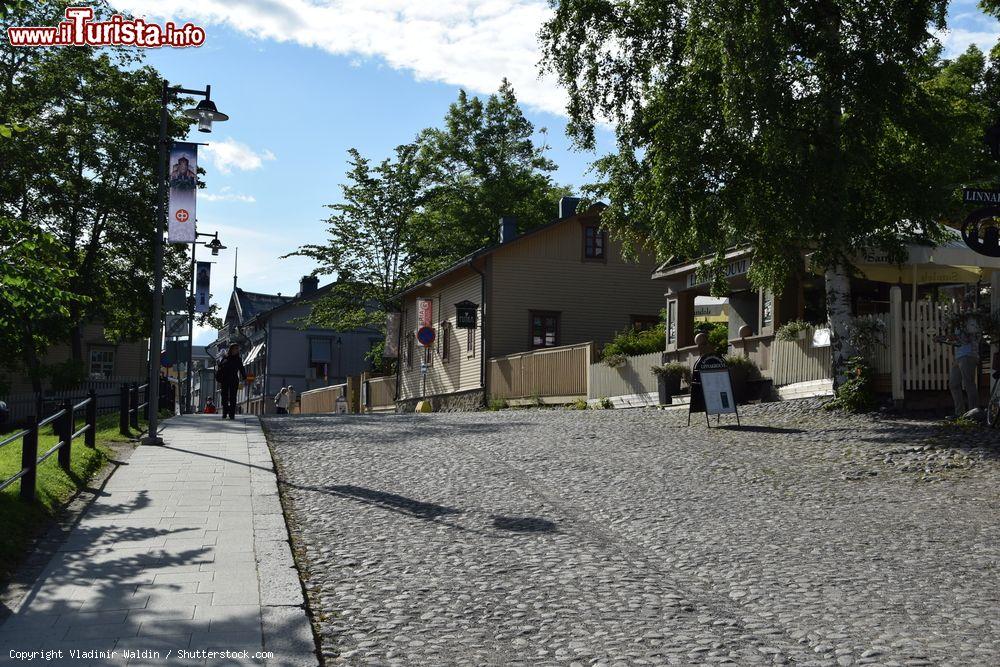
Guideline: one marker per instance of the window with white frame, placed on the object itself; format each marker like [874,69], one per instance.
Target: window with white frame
[102,362]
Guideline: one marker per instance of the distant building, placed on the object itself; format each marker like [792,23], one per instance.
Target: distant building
[279,351]
[104,360]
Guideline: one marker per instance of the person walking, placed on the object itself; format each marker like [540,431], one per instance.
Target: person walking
[963,377]
[281,401]
[229,374]
[291,397]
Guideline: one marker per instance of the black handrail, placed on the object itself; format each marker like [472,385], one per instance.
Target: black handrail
[63,426]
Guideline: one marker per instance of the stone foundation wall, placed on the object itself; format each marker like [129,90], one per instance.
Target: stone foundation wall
[464,401]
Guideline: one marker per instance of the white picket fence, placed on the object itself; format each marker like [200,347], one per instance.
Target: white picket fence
[926,362]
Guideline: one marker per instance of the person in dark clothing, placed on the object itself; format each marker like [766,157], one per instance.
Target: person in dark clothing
[228,374]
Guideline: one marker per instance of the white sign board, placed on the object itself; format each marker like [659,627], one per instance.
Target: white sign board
[718,391]
[821,338]
[340,405]
[176,326]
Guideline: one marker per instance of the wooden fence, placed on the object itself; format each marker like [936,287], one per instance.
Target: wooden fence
[798,361]
[380,394]
[558,374]
[634,378]
[322,400]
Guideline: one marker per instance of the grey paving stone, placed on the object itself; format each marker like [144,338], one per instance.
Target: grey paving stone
[625,538]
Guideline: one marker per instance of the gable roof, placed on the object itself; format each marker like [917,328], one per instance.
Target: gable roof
[593,211]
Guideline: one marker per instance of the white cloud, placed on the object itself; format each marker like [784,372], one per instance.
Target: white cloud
[229,154]
[469,43]
[957,40]
[227,194]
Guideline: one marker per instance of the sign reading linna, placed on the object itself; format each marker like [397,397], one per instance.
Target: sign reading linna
[977,196]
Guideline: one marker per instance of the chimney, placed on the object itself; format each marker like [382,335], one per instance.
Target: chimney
[508,229]
[567,207]
[308,285]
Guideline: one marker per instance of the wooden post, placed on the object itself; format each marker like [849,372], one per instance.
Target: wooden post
[896,342]
[65,434]
[29,460]
[123,405]
[133,406]
[995,312]
[365,399]
[90,437]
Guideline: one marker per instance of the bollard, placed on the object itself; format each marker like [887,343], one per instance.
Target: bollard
[123,410]
[90,437]
[29,460]
[65,433]
[133,406]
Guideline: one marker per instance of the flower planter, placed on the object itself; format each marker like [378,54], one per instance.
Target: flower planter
[667,386]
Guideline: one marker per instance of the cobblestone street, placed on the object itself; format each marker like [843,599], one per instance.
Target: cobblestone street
[622,537]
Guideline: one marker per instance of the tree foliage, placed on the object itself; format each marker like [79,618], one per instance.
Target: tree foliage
[435,201]
[35,307]
[367,236]
[826,126]
[482,164]
[84,169]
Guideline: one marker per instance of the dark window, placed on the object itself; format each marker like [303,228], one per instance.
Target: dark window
[544,329]
[644,322]
[470,342]
[409,350]
[595,240]
[320,356]
[445,341]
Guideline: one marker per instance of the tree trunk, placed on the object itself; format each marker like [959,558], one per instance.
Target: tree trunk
[838,310]
[30,358]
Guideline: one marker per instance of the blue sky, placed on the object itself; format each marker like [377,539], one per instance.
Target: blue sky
[304,81]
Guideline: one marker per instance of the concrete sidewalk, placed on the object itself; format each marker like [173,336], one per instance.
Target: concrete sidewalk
[185,550]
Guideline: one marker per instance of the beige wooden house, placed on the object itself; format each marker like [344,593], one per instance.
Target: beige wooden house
[104,360]
[557,285]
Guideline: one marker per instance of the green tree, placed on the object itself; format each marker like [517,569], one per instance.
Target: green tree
[822,127]
[84,170]
[366,247]
[34,304]
[481,165]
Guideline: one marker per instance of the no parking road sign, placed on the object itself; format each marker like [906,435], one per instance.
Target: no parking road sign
[425,336]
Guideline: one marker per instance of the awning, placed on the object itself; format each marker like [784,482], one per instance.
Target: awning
[254,353]
[951,262]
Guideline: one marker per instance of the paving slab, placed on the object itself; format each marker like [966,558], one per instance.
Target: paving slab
[164,560]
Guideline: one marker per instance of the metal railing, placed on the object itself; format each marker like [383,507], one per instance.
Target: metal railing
[64,426]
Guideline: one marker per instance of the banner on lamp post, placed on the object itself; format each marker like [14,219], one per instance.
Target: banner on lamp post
[183,179]
[425,313]
[202,279]
[391,348]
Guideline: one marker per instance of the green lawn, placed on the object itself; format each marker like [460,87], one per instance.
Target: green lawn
[21,521]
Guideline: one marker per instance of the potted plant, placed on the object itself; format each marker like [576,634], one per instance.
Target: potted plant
[668,380]
[742,370]
[794,330]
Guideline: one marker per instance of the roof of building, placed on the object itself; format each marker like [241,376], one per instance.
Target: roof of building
[594,209]
[254,303]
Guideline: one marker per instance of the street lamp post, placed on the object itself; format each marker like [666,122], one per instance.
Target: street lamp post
[215,246]
[205,113]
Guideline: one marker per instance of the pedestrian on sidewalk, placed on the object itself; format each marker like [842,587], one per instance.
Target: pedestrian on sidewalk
[291,397]
[281,401]
[210,407]
[963,380]
[229,373]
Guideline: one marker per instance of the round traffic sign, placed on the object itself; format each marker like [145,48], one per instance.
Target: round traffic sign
[425,336]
